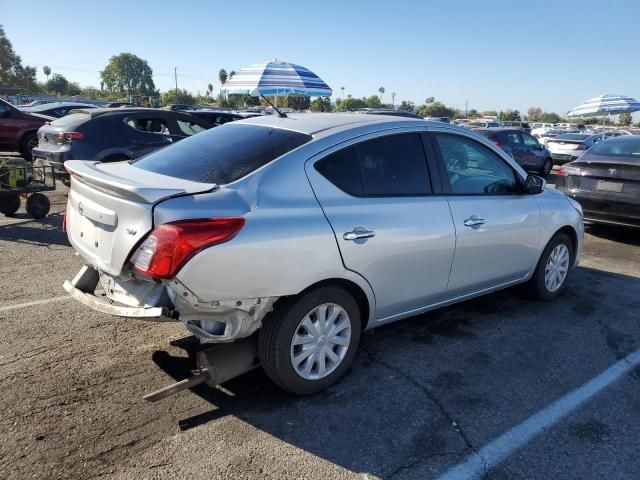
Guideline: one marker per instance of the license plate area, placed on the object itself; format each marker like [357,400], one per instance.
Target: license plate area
[606,186]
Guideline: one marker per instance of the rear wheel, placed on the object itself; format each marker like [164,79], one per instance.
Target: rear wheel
[38,205]
[29,142]
[9,205]
[547,166]
[309,341]
[554,266]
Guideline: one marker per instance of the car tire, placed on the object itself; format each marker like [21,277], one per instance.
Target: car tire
[298,368]
[547,166]
[9,205]
[554,267]
[29,141]
[38,205]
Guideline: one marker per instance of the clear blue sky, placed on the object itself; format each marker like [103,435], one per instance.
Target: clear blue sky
[495,54]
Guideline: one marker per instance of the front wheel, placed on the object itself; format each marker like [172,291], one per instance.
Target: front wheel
[552,272]
[309,341]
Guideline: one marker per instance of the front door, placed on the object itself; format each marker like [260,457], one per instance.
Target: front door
[378,197]
[497,227]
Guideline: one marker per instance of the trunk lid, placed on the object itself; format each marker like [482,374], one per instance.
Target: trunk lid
[110,208]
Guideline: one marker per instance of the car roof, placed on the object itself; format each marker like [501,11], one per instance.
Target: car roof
[314,123]
[50,105]
[96,112]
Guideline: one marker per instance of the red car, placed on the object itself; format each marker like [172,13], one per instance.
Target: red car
[19,130]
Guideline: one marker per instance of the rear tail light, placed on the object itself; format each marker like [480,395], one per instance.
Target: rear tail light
[68,137]
[64,221]
[168,247]
[566,171]
[501,145]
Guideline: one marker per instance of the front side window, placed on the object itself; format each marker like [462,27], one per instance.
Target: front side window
[474,169]
[189,128]
[395,165]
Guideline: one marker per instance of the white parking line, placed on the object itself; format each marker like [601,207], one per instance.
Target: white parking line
[477,464]
[36,302]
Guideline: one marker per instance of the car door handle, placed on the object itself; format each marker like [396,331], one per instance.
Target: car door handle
[358,234]
[473,221]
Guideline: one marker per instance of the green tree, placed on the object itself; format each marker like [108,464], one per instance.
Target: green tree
[181,96]
[12,72]
[473,113]
[128,74]
[297,102]
[222,76]
[408,106]
[57,84]
[550,117]
[47,71]
[510,115]
[321,104]
[351,103]
[381,90]
[489,113]
[625,119]
[373,102]
[533,114]
[430,100]
[73,89]
[435,109]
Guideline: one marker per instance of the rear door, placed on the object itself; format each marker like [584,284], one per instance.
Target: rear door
[535,155]
[391,228]
[513,138]
[497,227]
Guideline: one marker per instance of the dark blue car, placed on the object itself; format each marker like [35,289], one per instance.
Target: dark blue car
[523,147]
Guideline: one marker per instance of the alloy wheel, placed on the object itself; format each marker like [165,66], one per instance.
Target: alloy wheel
[320,341]
[557,267]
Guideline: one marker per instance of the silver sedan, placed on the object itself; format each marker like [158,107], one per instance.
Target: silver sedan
[301,232]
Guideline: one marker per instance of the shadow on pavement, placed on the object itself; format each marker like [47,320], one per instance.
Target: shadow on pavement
[46,231]
[619,234]
[388,410]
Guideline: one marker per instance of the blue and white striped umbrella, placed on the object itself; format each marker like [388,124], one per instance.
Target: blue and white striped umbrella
[276,78]
[605,105]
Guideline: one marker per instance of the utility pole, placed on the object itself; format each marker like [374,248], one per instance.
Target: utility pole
[466,108]
[175,73]
[393,100]
[342,88]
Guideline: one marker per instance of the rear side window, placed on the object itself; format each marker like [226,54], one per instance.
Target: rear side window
[224,154]
[389,166]
[150,125]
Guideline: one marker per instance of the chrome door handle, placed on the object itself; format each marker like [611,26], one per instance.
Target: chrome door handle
[473,221]
[358,234]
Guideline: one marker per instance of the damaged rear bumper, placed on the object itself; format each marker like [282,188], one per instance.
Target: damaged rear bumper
[211,321]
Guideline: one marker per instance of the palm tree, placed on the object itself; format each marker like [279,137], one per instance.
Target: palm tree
[222,76]
[342,88]
[47,71]
[210,89]
[231,74]
[381,90]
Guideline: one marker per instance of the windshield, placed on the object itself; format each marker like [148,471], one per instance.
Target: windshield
[223,154]
[572,136]
[627,147]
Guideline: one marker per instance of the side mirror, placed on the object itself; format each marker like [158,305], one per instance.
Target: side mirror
[534,185]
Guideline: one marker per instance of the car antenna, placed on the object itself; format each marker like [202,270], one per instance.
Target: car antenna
[280,114]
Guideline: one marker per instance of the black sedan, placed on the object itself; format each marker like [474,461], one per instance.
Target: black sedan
[606,181]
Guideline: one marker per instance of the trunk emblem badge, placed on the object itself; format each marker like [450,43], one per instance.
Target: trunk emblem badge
[612,171]
[80,209]
[131,231]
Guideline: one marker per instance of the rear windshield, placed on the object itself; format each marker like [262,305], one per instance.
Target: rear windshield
[223,154]
[71,119]
[572,136]
[617,148]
